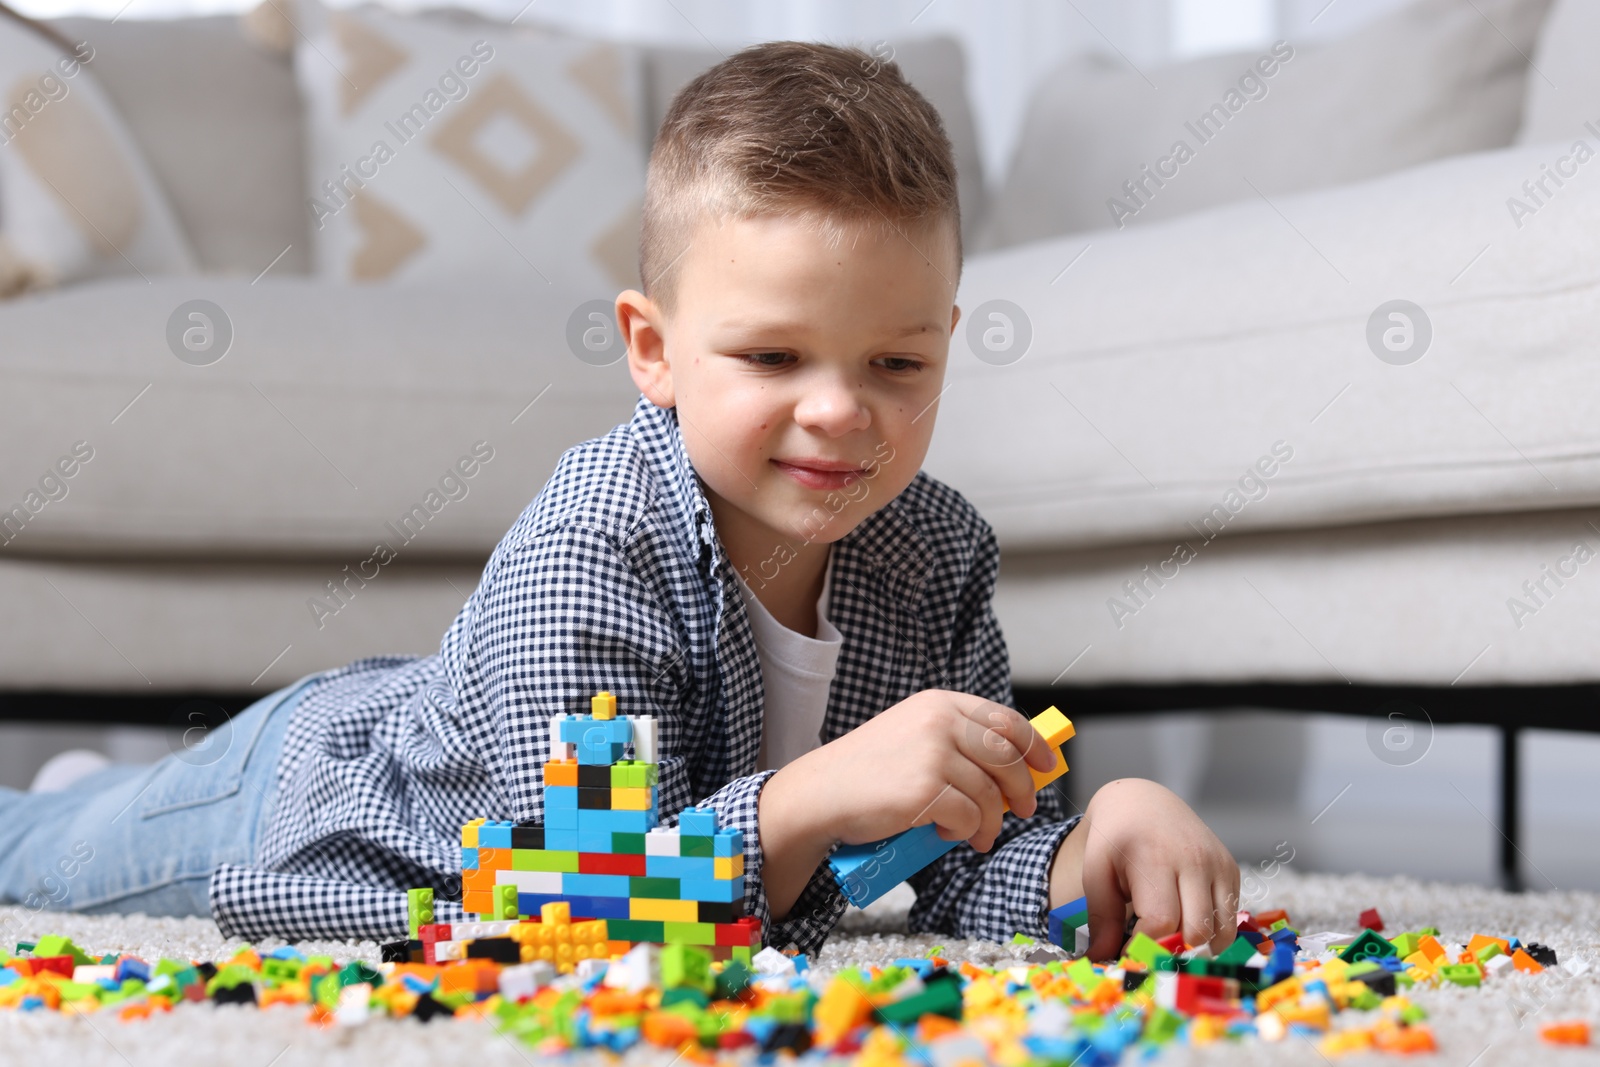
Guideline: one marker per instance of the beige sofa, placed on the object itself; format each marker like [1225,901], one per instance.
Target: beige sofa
[221,539]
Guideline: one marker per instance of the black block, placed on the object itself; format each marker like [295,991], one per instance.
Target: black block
[243,993]
[207,970]
[594,799]
[529,835]
[426,1008]
[1380,982]
[401,952]
[499,949]
[593,777]
[714,911]
[1543,955]
[788,1035]
[1132,980]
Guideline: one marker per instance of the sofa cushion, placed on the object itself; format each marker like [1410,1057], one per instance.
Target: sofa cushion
[218,118]
[1159,373]
[77,199]
[445,153]
[1436,78]
[935,65]
[1564,91]
[334,414]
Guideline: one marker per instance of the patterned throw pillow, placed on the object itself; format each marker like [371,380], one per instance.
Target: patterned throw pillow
[451,150]
[77,200]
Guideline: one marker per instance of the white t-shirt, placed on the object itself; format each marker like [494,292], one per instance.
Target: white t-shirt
[796,674]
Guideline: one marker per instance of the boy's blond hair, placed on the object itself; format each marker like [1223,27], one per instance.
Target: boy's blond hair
[822,133]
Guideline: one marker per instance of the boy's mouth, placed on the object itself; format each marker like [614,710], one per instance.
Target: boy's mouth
[820,473]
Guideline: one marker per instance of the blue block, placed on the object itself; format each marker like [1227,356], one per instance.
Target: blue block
[595,885]
[867,872]
[560,819]
[469,859]
[582,907]
[698,822]
[1065,920]
[496,833]
[728,843]
[599,755]
[723,890]
[680,867]
[561,796]
[586,729]
[592,839]
[618,822]
[560,840]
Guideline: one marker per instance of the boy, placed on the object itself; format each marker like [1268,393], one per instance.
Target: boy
[754,559]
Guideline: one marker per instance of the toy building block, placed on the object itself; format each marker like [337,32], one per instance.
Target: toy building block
[1067,921]
[866,872]
[419,909]
[603,705]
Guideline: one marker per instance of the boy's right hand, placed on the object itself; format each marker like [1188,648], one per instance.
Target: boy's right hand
[943,757]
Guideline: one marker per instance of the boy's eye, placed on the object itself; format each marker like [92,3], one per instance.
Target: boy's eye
[899,364]
[767,359]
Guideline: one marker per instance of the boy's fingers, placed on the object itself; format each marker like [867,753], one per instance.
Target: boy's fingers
[996,739]
[982,797]
[1156,902]
[1199,911]
[1108,908]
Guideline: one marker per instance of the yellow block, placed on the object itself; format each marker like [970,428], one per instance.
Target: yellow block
[628,798]
[469,833]
[1054,727]
[603,705]
[667,911]
[726,867]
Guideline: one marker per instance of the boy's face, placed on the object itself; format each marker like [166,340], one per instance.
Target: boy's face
[806,377]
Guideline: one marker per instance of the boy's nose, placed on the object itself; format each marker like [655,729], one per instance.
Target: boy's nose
[834,409]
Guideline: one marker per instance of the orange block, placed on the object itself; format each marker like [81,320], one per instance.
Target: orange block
[494,859]
[1525,963]
[666,1029]
[480,880]
[1568,1033]
[561,772]
[470,976]
[1431,948]
[1479,940]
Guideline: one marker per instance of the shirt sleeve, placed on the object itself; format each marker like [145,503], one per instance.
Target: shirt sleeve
[991,895]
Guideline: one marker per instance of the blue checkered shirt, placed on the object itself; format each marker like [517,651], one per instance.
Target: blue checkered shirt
[613,578]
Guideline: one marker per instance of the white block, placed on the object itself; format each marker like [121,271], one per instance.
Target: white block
[637,970]
[1497,964]
[523,980]
[769,961]
[353,1003]
[1080,941]
[93,972]
[445,951]
[590,969]
[1167,989]
[530,881]
[559,749]
[644,739]
[661,842]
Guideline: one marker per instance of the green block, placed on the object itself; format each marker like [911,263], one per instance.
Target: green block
[790,1007]
[731,980]
[689,933]
[742,954]
[655,888]
[1465,974]
[1083,975]
[56,945]
[1238,952]
[619,775]
[627,844]
[229,976]
[694,845]
[1143,948]
[505,902]
[1488,952]
[276,970]
[684,995]
[941,996]
[1356,970]
[686,965]
[1162,1025]
[1367,946]
[652,775]
[130,988]
[419,910]
[635,930]
[543,859]
[71,991]
[1406,944]
[1198,966]
[356,972]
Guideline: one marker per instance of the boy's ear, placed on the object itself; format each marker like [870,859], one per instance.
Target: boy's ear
[955,317]
[642,327]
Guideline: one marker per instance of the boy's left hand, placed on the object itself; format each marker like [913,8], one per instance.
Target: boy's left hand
[1139,844]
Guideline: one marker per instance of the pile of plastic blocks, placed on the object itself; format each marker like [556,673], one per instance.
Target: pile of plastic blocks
[1346,992]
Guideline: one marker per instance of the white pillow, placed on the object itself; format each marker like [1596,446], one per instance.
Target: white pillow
[1564,90]
[472,151]
[77,200]
[1434,79]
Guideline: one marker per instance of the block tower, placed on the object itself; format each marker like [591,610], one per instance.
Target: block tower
[602,851]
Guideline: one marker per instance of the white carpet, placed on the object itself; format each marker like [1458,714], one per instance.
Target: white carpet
[1474,1027]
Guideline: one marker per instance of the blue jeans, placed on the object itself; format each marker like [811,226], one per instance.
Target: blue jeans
[132,838]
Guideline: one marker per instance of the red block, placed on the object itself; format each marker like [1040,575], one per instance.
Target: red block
[744,933]
[58,964]
[1172,942]
[607,863]
[1197,993]
[428,933]
[1371,920]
